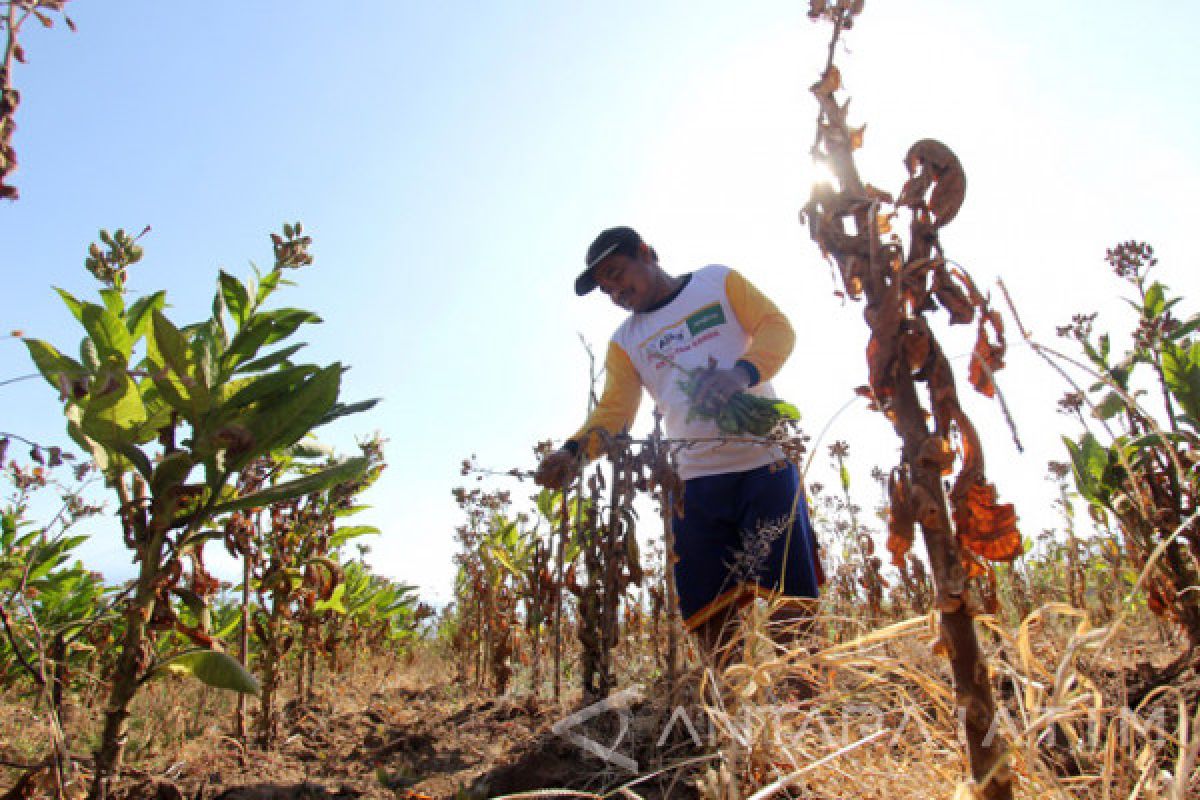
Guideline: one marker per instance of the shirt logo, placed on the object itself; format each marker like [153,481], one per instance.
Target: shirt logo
[708,317]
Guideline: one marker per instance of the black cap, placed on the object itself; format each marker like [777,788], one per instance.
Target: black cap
[614,241]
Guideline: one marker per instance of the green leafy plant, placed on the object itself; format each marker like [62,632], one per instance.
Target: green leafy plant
[1144,469]
[170,414]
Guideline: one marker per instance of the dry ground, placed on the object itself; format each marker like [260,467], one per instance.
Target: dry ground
[880,725]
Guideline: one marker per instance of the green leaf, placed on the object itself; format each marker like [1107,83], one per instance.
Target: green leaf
[339,473]
[343,535]
[1181,370]
[1185,328]
[274,385]
[1109,407]
[213,668]
[787,410]
[136,457]
[343,410]
[268,284]
[272,360]
[108,331]
[1155,302]
[237,297]
[113,413]
[138,318]
[334,603]
[72,303]
[58,370]
[263,329]
[171,471]
[167,353]
[285,419]
[1089,462]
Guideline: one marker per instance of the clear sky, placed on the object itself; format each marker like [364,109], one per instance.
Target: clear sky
[453,160]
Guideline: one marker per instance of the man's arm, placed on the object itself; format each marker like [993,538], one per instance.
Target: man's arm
[771,342]
[614,412]
[771,335]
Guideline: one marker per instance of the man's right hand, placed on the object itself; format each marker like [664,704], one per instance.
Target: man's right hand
[556,469]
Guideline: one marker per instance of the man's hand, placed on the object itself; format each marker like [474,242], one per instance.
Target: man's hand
[717,386]
[556,469]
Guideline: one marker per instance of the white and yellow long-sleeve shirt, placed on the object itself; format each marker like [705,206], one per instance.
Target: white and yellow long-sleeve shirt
[717,314]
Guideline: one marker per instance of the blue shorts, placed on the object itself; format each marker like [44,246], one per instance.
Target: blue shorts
[738,539]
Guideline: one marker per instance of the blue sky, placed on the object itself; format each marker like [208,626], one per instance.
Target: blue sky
[452,161]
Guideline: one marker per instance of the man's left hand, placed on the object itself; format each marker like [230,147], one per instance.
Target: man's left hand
[717,386]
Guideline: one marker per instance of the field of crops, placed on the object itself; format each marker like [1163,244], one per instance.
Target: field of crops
[950,653]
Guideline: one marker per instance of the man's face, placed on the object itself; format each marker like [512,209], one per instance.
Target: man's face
[628,282]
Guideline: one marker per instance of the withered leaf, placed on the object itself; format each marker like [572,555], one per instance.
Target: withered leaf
[900,519]
[830,82]
[952,296]
[984,527]
[988,355]
[931,163]
[856,137]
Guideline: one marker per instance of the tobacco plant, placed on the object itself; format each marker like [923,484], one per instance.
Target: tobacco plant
[1145,469]
[170,414]
[293,564]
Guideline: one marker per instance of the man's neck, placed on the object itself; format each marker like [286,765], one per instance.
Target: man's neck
[670,287]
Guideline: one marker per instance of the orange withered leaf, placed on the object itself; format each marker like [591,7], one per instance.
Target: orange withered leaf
[830,82]
[988,355]
[856,137]
[953,297]
[900,518]
[984,527]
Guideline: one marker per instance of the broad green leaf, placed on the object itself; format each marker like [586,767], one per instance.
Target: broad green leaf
[237,297]
[1181,369]
[1089,462]
[109,333]
[167,353]
[138,318]
[110,467]
[114,301]
[58,370]
[72,303]
[213,668]
[339,473]
[284,420]
[246,343]
[263,329]
[113,413]
[279,384]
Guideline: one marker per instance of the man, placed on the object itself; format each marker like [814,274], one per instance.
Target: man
[744,531]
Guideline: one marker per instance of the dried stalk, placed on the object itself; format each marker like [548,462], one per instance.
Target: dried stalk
[968,525]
